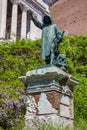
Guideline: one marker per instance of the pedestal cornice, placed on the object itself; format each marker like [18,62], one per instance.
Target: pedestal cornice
[48,78]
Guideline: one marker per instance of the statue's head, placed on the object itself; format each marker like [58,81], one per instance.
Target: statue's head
[47,19]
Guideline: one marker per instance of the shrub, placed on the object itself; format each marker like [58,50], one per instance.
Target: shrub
[18,57]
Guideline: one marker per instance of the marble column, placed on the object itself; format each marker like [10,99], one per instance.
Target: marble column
[14,20]
[24,22]
[3,14]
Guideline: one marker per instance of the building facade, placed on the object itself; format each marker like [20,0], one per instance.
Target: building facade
[15,22]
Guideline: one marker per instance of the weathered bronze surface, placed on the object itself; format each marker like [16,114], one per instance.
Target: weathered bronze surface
[51,38]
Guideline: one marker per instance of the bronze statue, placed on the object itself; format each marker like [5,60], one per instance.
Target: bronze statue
[51,38]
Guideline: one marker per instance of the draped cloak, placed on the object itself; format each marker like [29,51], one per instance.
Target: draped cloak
[50,31]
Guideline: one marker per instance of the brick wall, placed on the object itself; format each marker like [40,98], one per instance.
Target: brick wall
[52,96]
[71,16]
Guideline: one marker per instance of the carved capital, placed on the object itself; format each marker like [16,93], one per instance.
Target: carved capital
[24,8]
[15,1]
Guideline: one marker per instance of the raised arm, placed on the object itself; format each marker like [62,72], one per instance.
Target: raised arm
[36,22]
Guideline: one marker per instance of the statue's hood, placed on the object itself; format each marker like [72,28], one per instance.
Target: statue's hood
[50,21]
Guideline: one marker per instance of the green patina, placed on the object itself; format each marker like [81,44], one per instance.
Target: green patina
[51,38]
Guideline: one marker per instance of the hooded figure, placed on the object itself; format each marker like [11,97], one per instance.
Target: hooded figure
[51,37]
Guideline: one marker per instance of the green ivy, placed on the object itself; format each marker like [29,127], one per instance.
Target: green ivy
[16,58]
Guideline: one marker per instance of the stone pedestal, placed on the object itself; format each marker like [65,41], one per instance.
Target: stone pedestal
[49,96]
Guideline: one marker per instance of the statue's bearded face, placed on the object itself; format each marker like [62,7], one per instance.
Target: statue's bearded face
[47,20]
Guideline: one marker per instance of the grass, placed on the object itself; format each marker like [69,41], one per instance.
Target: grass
[81,125]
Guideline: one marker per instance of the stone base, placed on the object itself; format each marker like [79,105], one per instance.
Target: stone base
[49,96]
[50,106]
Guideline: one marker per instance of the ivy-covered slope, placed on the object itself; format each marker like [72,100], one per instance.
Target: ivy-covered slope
[16,59]
[75,48]
[19,57]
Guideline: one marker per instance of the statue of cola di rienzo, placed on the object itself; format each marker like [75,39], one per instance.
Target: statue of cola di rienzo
[51,38]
